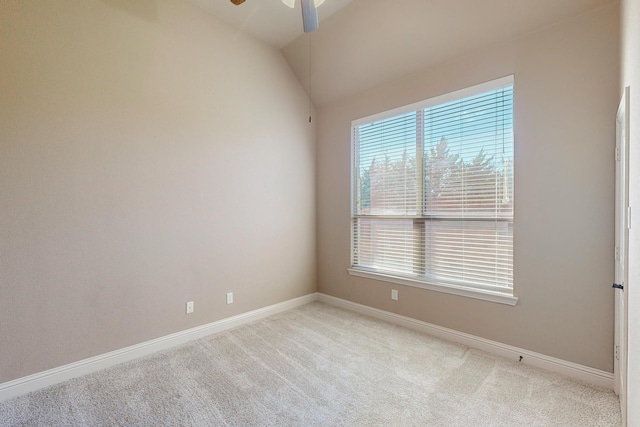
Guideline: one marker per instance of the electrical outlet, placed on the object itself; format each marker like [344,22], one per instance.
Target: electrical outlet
[229,297]
[394,294]
[189,307]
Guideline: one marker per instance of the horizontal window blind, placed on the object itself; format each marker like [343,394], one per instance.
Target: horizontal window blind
[433,190]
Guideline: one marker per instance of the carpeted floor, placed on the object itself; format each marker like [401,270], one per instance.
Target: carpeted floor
[317,365]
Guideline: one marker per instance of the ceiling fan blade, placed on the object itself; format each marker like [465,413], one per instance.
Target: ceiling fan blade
[309,16]
[237,2]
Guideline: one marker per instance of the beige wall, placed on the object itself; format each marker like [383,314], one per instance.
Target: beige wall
[149,155]
[566,94]
[631,77]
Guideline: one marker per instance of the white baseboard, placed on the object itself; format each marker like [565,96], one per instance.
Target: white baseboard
[53,376]
[569,369]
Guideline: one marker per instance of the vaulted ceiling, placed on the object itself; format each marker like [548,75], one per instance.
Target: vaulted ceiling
[363,43]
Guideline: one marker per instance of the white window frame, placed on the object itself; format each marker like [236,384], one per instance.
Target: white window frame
[502,296]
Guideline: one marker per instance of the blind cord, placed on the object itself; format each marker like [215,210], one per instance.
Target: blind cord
[310,100]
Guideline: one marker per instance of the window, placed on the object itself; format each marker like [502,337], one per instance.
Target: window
[432,196]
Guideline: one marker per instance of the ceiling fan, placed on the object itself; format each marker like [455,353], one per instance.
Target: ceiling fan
[309,12]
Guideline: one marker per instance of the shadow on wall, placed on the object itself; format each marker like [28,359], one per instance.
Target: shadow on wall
[145,9]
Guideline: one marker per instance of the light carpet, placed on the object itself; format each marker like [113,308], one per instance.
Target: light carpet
[317,365]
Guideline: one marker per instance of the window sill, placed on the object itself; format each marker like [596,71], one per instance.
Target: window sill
[481,294]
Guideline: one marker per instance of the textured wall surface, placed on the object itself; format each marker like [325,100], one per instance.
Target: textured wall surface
[149,155]
[566,95]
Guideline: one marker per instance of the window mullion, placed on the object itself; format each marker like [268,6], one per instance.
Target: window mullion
[419,257]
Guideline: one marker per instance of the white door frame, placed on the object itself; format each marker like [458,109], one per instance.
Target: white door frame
[622,225]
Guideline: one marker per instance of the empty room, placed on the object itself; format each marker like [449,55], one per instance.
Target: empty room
[319,212]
